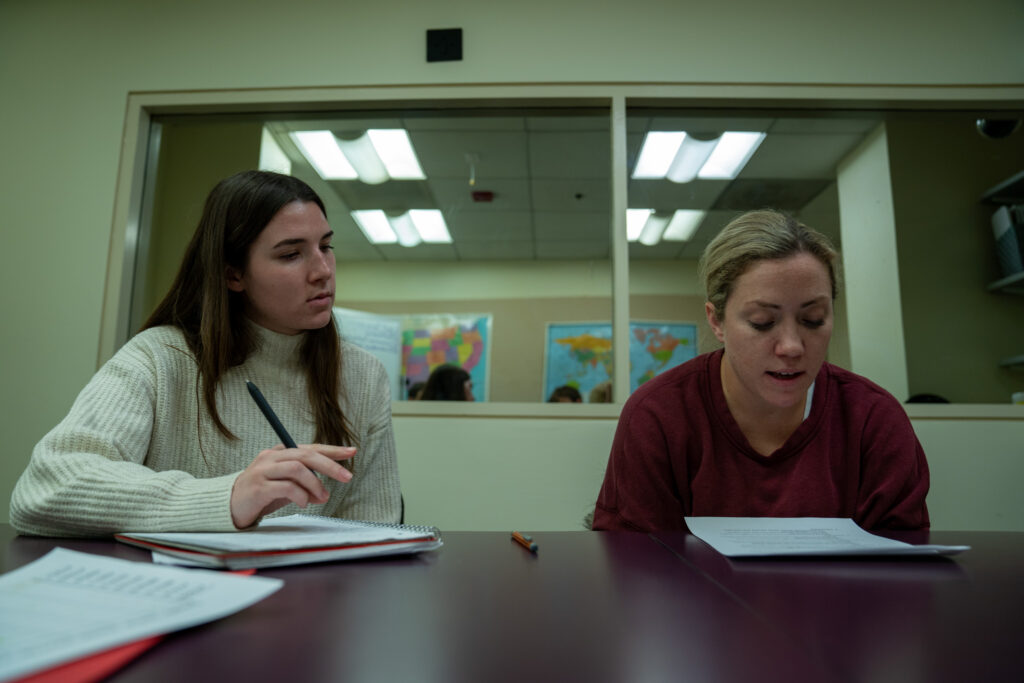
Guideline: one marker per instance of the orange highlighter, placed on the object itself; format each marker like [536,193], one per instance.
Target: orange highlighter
[525,541]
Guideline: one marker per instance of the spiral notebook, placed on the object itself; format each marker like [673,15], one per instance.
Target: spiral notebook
[294,539]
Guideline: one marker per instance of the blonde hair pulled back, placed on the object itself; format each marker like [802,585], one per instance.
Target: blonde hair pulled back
[756,236]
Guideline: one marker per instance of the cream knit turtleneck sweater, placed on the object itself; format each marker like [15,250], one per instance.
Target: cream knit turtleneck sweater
[138,451]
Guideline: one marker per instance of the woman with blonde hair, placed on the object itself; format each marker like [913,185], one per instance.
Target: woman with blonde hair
[764,426]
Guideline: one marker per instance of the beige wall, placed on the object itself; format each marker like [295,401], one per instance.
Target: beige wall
[975,467]
[550,484]
[956,330]
[498,490]
[519,329]
[67,68]
[869,264]
[192,159]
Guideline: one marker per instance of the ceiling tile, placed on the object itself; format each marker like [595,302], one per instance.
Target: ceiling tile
[570,155]
[356,251]
[474,121]
[789,195]
[571,195]
[397,195]
[343,125]
[421,252]
[709,125]
[785,156]
[599,120]
[816,124]
[660,251]
[494,251]
[665,195]
[454,195]
[478,226]
[565,226]
[494,154]
[572,250]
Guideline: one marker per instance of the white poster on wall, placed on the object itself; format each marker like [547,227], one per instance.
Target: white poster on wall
[381,335]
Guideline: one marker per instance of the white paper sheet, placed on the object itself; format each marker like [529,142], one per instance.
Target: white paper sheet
[777,536]
[67,604]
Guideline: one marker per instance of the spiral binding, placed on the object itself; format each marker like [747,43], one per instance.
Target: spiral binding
[432,530]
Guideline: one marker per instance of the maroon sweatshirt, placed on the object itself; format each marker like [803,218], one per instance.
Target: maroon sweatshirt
[679,452]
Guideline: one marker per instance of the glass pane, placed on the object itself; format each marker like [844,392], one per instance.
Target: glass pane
[964,327]
[963,316]
[785,161]
[523,193]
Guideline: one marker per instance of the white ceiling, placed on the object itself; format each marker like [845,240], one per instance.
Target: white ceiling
[550,173]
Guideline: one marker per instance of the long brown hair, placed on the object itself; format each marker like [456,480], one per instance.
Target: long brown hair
[446,383]
[212,318]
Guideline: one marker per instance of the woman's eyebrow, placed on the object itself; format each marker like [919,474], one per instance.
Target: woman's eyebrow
[299,240]
[766,304]
[816,300]
[288,242]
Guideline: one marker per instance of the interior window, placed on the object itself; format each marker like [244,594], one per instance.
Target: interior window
[690,173]
[518,284]
[498,227]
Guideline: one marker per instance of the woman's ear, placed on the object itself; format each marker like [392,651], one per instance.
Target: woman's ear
[713,321]
[233,278]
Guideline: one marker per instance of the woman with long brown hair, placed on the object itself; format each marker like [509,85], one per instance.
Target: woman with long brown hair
[166,436]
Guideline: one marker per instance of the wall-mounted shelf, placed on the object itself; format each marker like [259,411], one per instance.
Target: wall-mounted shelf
[1010,191]
[1013,284]
[1013,362]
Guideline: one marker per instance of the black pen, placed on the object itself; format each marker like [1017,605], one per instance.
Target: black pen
[282,433]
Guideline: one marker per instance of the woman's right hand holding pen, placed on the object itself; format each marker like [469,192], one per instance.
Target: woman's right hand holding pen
[279,475]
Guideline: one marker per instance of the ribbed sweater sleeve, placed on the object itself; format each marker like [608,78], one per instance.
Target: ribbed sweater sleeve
[138,451]
[374,492]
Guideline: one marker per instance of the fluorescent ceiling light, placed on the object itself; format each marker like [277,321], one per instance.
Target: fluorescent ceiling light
[635,221]
[375,226]
[321,150]
[395,151]
[681,157]
[731,154]
[653,227]
[430,225]
[363,157]
[649,227]
[406,231]
[657,153]
[272,157]
[683,224]
[376,156]
[689,159]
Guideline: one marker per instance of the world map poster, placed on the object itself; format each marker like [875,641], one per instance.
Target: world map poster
[431,340]
[580,354]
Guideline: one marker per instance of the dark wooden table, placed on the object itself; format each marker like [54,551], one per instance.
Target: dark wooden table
[605,607]
[936,619]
